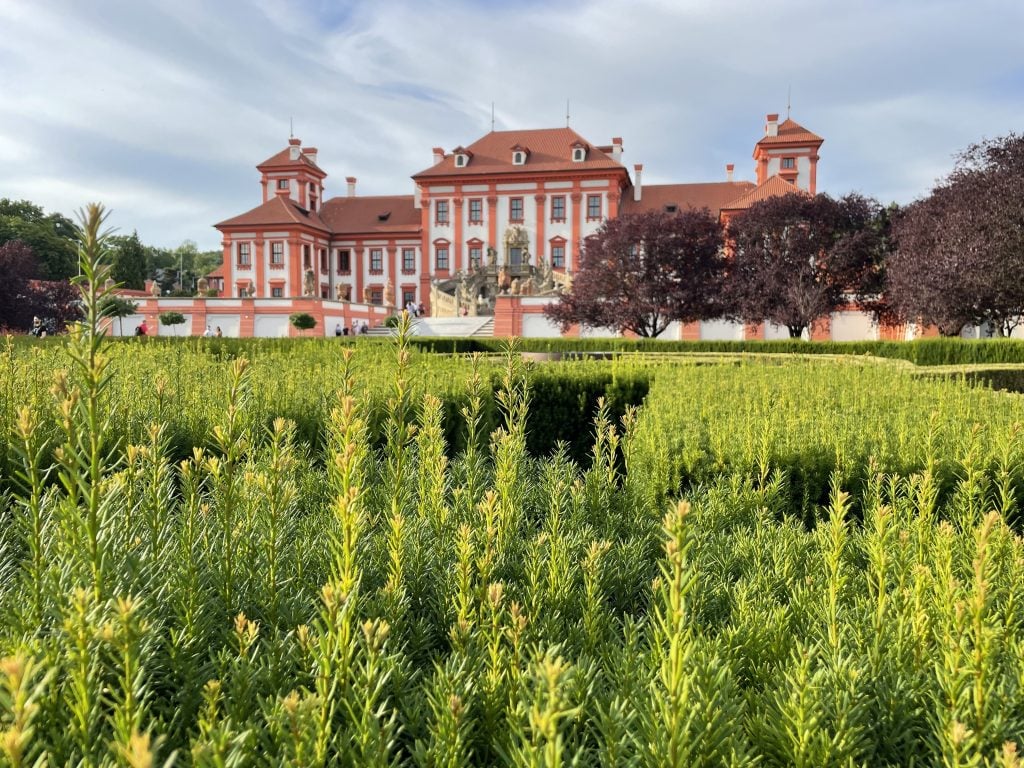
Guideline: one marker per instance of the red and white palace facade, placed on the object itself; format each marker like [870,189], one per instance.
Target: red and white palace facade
[350,258]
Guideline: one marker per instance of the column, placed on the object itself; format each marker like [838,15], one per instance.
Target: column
[575,198]
[541,246]
[457,245]
[258,266]
[294,267]
[492,225]
[392,274]
[357,270]
[229,267]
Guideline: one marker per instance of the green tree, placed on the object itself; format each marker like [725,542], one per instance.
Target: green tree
[302,321]
[172,319]
[117,306]
[130,267]
[50,236]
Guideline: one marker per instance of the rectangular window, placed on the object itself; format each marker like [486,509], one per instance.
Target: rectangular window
[515,209]
[376,261]
[408,296]
[307,262]
[277,253]
[277,292]
[593,207]
[244,258]
[558,256]
[376,295]
[441,260]
[558,208]
[282,183]
[789,162]
[324,266]
[344,261]
[476,254]
[441,211]
[408,260]
[476,211]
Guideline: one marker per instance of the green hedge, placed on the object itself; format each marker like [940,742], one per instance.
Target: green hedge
[920,352]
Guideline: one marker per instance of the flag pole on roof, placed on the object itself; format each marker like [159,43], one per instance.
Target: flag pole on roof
[566,113]
[789,100]
[492,117]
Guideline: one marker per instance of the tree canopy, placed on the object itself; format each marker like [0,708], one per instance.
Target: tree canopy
[797,258]
[959,255]
[52,237]
[643,271]
[23,296]
[131,261]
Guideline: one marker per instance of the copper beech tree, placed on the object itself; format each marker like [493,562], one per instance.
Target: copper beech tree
[959,255]
[797,258]
[643,271]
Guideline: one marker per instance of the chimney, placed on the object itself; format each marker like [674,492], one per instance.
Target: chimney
[351,185]
[293,148]
[438,155]
[771,125]
[310,152]
[637,186]
[729,168]
[617,149]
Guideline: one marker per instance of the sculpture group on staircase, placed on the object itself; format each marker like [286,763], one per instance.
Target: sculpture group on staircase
[473,291]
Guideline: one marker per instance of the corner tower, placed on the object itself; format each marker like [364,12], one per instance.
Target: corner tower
[790,151]
[293,173]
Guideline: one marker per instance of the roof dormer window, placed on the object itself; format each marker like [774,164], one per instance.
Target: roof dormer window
[578,154]
[462,156]
[519,154]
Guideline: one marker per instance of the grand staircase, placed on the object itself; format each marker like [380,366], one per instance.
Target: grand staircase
[479,326]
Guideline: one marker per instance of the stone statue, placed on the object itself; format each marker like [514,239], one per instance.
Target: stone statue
[515,286]
[307,283]
[367,295]
[202,285]
[154,289]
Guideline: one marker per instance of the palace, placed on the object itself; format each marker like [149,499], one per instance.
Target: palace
[511,200]
[492,233]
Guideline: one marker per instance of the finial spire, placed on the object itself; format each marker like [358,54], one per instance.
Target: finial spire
[291,127]
[492,117]
[789,100]
[566,113]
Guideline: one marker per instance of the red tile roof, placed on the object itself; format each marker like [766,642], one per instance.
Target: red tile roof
[774,186]
[218,272]
[277,210]
[283,159]
[791,132]
[713,195]
[360,214]
[550,150]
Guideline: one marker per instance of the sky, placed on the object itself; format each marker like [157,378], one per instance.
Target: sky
[161,109]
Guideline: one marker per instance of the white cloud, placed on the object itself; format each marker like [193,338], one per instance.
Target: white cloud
[162,108]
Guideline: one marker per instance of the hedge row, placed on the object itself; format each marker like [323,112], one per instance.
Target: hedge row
[939,351]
